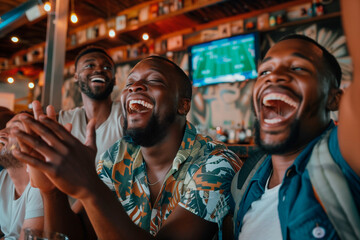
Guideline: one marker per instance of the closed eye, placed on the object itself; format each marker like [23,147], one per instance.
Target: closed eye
[128,85]
[90,65]
[298,69]
[155,81]
[266,72]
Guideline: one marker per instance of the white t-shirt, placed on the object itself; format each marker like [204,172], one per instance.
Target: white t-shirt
[106,134]
[262,219]
[14,212]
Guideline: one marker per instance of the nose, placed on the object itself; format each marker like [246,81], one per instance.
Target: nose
[278,75]
[137,86]
[98,68]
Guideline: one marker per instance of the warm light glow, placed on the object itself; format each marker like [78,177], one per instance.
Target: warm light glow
[10,80]
[47,7]
[31,85]
[73,17]
[145,36]
[14,39]
[112,33]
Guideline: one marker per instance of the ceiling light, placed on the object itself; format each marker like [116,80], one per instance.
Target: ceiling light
[31,85]
[14,39]
[10,80]
[145,36]
[47,6]
[112,33]
[73,17]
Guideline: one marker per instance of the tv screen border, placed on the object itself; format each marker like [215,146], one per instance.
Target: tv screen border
[256,49]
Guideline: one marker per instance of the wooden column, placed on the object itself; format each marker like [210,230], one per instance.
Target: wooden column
[55,51]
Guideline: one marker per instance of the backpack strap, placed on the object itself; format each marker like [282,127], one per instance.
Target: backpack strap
[242,178]
[332,189]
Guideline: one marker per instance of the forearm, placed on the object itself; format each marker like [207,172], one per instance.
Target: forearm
[108,217]
[58,216]
[349,114]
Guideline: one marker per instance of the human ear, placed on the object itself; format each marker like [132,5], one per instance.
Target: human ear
[334,98]
[76,77]
[184,106]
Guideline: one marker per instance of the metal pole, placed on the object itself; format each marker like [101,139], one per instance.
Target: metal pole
[55,54]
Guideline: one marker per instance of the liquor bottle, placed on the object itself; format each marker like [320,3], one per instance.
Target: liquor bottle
[242,133]
[318,8]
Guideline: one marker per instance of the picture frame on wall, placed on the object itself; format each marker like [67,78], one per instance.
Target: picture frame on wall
[120,22]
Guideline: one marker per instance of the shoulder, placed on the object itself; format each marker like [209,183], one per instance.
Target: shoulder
[349,173]
[68,115]
[33,203]
[32,194]
[211,165]
[216,153]
[116,108]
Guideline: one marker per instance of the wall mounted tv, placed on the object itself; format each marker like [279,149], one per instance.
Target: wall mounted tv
[225,60]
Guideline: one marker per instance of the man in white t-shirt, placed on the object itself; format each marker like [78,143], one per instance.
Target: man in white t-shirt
[95,75]
[21,205]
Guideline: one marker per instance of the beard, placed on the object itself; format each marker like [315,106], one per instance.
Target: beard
[281,147]
[7,160]
[97,93]
[154,132]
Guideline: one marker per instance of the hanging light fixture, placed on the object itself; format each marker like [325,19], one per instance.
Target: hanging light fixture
[73,16]
[31,85]
[10,80]
[14,39]
[112,33]
[145,36]
[47,6]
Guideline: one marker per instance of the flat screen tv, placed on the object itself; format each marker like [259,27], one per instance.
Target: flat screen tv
[226,60]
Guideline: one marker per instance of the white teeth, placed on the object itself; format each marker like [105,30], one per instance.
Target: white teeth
[281,97]
[141,102]
[98,79]
[272,121]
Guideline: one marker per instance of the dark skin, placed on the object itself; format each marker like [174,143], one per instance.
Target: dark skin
[90,65]
[18,174]
[153,81]
[293,69]
[290,68]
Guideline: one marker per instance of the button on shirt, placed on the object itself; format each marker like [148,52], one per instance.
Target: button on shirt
[199,180]
[301,216]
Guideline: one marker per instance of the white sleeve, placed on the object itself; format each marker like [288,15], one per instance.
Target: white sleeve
[34,204]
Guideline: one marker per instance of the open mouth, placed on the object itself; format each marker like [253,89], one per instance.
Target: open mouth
[139,106]
[278,107]
[98,80]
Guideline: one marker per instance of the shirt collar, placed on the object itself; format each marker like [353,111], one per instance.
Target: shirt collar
[186,146]
[302,159]
[263,173]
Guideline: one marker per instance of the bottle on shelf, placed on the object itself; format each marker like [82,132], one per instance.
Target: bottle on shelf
[242,133]
[232,133]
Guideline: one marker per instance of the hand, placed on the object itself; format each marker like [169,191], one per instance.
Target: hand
[37,178]
[68,163]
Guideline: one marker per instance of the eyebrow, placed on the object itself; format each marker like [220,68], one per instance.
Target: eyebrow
[89,60]
[295,54]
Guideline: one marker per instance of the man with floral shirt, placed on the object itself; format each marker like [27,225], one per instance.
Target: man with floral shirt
[172,183]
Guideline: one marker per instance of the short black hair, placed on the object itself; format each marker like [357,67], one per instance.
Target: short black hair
[330,63]
[90,49]
[186,88]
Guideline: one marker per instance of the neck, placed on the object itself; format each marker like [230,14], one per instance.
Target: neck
[280,164]
[20,178]
[99,109]
[161,155]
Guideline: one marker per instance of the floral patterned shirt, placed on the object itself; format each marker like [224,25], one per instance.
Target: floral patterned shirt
[199,180]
